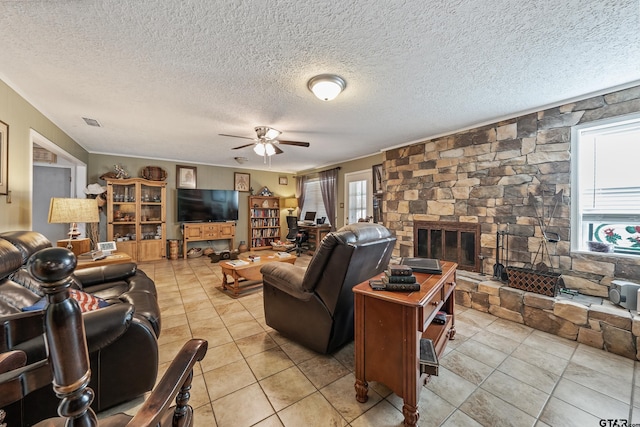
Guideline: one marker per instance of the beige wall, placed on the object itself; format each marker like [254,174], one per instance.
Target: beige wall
[209,177]
[357,165]
[21,117]
[222,178]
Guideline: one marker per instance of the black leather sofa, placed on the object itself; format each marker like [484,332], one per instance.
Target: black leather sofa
[314,306]
[121,338]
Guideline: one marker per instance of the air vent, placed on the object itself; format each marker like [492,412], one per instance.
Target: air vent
[92,122]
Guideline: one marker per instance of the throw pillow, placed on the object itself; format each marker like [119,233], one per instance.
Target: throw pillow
[85,301]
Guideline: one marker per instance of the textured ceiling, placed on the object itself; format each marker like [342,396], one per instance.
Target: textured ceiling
[165,78]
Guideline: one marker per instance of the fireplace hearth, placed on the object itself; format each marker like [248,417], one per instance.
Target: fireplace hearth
[449,241]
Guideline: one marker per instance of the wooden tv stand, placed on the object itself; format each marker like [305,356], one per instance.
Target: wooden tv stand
[203,231]
[388,328]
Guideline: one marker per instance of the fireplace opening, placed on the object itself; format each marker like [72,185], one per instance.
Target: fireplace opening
[449,241]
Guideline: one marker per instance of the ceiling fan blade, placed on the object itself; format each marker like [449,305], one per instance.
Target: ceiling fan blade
[236,136]
[243,146]
[298,143]
[278,150]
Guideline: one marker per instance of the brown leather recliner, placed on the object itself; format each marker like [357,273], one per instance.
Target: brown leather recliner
[122,338]
[314,306]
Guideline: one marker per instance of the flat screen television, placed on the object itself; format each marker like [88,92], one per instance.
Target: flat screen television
[207,205]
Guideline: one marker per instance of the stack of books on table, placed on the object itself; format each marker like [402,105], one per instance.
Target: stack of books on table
[400,278]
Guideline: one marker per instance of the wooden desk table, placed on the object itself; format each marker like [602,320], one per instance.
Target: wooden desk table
[388,328]
[315,233]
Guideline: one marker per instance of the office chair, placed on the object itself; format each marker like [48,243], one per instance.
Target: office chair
[296,236]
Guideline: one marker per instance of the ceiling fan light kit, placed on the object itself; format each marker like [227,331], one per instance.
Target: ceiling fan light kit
[266,144]
[264,148]
[326,86]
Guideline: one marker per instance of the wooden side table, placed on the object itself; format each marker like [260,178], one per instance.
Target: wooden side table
[114,258]
[80,246]
[388,329]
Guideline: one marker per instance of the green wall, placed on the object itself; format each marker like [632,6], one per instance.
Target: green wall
[206,177]
[364,163]
[222,178]
[21,117]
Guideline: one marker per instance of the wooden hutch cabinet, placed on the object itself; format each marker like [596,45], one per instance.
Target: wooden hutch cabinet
[264,221]
[136,217]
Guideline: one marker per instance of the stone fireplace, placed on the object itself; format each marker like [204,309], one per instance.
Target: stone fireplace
[494,178]
[469,186]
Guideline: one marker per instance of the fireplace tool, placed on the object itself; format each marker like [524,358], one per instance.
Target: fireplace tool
[498,268]
[547,236]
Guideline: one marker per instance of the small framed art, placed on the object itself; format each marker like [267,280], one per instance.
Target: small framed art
[241,181]
[186,176]
[283,180]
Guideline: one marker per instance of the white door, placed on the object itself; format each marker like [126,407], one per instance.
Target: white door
[358,193]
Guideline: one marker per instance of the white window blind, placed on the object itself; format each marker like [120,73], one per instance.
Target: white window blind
[606,185]
[313,200]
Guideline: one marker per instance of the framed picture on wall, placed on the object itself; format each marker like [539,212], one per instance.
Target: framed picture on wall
[283,180]
[4,157]
[185,176]
[241,181]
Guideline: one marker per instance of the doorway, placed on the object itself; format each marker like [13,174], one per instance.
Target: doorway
[60,175]
[49,182]
[358,198]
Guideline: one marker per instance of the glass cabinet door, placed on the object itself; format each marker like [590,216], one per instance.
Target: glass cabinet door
[151,212]
[123,212]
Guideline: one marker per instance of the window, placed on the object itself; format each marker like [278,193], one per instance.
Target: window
[357,195]
[313,200]
[357,200]
[606,186]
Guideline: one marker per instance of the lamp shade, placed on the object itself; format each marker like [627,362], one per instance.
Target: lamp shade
[65,210]
[291,203]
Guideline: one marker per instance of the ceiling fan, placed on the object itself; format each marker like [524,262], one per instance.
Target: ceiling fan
[266,143]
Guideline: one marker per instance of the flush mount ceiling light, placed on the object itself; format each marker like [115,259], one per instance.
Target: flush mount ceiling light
[326,86]
[241,160]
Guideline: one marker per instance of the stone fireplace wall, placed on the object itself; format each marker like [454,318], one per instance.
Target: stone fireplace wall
[486,175]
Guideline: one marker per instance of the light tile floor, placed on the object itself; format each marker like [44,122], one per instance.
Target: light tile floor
[495,373]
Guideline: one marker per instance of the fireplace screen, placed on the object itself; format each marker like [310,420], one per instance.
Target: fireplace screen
[449,241]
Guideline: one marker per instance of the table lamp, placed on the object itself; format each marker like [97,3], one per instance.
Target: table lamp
[73,211]
[291,204]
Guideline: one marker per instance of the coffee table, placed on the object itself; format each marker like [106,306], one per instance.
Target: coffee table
[246,273]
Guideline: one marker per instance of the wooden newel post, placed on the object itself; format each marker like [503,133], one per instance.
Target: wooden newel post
[64,336]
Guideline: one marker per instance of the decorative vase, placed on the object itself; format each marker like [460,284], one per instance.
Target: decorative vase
[242,247]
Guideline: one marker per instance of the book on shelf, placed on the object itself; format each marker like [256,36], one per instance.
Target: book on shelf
[428,358]
[391,278]
[441,318]
[423,265]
